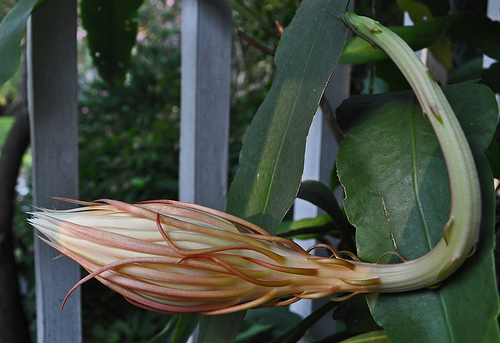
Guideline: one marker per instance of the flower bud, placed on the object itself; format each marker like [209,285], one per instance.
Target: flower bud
[174,257]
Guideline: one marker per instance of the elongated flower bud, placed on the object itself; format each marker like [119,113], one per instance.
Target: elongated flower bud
[175,257]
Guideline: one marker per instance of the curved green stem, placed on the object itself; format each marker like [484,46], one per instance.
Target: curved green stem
[461,231]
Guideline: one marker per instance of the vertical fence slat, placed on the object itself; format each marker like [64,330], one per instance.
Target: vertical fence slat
[205,91]
[52,94]
[205,103]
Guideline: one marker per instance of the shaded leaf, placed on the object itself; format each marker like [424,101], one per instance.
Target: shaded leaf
[442,52]
[301,328]
[469,70]
[307,228]
[358,318]
[320,195]
[262,324]
[478,31]
[12,30]
[439,8]
[418,36]
[387,71]
[418,10]
[491,77]
[373,336]
[111,33]
[422,10]
[184,327]
[167,331]
[6,123]
[398,198]
[272,157]
[221,328]
[493,154]
[178,329]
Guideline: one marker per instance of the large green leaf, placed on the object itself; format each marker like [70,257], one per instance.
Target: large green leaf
[398,198]
[478,31]
[111,33]
[12,30]
[272,158]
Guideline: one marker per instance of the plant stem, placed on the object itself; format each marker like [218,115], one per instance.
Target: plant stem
[461,231]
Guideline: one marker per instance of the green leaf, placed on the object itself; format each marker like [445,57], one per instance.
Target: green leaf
[178,329]
[221,328]
[263,324]
[301,328]
[12,30]
[418,36]
[493,154]
[5,126]
[470,70]
[272,157]
[491,77]
[373,336]
[307,228]
[167,331]
[184,327]
[111,33]
[398,198]
[320,195]
[439,8]
[478,31]
[418,10]
[356,315]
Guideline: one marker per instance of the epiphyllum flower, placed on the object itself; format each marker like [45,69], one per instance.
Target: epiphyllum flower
[176,257]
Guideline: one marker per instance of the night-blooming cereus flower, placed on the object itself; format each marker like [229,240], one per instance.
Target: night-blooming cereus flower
[175,257]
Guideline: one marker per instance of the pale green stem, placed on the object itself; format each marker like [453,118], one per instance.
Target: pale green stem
[461,231]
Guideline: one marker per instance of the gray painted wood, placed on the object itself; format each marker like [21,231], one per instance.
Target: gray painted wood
[52,94]
[205,92]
